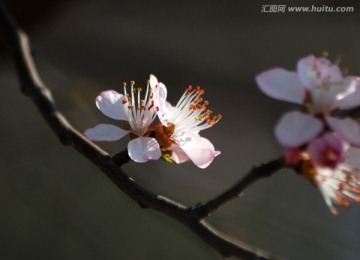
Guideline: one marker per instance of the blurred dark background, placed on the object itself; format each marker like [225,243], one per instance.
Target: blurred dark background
[55,204]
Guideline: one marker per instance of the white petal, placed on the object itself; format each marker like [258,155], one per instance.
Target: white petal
[162,95]
[143,149]
[159,93]
[200,150]
[314,72]
[305,71]
[153,81]
[351,100]
[110,103]
[159,97]
[105,132]
[347,128]
[281,84]
[295,129]
[178,154]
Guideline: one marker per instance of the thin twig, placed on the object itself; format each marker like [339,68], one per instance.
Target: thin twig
[32,86]
[256,173]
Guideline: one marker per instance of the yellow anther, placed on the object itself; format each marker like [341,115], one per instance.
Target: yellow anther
[132,82]
[139,89]
[124,83]
[325,54]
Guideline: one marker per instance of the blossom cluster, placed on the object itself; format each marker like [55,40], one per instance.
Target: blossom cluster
[318,142]
[175,138]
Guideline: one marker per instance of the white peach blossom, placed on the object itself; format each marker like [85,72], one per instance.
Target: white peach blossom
[136,113]
[180,125]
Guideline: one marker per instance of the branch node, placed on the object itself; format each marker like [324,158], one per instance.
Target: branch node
[121,158]
[201,211]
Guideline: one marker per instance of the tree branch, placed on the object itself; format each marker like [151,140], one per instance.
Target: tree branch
[32,86]
[256,173]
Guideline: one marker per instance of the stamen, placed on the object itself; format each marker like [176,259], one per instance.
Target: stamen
[151,106]
[139,119]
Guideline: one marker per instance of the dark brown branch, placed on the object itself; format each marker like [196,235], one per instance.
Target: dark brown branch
[32,86]
[256,173]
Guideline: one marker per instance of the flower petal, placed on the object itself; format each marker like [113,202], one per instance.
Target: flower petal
[347,128]
[159,92]
[315,72]
[200,150]
[295,129]
[353,98]
[143,149]
[105,132]
[281,84]
[153,81]
[110,103]
[178,154]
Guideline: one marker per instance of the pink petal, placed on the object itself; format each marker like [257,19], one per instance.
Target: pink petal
[295,129]
[200,150]
[281,84]
[315,71]
[143,149]
[347,128]
[178,154]
[352,99]
[110,103]
[105,132]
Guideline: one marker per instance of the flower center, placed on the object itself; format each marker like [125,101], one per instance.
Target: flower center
[163,134]
[141,111]
[330,158]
